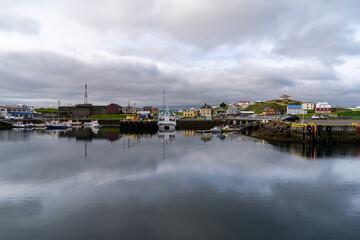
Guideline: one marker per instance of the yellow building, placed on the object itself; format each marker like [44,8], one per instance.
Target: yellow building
[206,111]
[190,113]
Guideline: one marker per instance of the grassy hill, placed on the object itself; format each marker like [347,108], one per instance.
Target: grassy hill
[276,103]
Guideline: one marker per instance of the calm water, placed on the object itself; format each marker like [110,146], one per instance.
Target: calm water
[85,185]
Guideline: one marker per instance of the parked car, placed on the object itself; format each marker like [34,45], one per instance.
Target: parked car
[315,117]
[324,117]
[290,118]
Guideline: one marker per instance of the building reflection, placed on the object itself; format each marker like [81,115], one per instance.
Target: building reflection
[189,133]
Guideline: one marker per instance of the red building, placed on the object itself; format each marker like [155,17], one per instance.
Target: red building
[154,111]
[114,109]
[269,110]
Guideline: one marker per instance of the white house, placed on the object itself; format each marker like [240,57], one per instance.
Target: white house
[243,104]
[232,111]
[295,109]
[308,105]
[285,97]
[323,107]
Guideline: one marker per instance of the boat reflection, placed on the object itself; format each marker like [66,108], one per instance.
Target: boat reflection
[167,136]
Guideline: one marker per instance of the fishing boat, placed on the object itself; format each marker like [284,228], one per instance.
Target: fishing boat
[166,120]
[55,125]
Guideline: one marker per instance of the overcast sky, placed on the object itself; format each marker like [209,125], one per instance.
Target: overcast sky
[198,51]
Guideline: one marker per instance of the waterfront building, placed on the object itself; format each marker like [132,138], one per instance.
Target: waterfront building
[285,97]
[190,113]
[206,111]
[295,109]
[114,108]
[81,111]
[308,106]
[98,110]
[323,107]
[232,111]
[19,111]
[269,110]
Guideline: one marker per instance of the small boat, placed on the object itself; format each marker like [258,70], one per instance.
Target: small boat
[39,125]
[216,129]
[56,125]
[18,125]
[76,124]
[92,124]
[29,125]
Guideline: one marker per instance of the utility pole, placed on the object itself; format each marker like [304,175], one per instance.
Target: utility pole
[85,97]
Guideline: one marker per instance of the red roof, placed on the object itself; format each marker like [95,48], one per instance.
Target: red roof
[12,107]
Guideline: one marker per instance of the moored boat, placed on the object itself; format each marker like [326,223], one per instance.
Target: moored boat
[167,121]
[56,125]
[18,125]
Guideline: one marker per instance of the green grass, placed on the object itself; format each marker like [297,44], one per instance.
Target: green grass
[46,110]
[350,113]
[279,105]
[108,116]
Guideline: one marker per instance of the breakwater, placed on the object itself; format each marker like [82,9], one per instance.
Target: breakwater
[277,131]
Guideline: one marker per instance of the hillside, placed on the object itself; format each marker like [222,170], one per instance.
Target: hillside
[277,104]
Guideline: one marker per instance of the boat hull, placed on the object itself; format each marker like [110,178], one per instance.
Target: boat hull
[60,127]
[166,127]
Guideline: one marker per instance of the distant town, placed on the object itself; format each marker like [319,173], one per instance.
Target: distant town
[282,105]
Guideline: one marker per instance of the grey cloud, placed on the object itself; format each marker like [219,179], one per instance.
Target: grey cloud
[327,41]
[301,29]
[19,24]
[58,77]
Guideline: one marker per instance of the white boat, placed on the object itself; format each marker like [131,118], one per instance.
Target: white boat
[216,129]
[18,125]
[166,121]
[29,125]
[39,125]
[92,124]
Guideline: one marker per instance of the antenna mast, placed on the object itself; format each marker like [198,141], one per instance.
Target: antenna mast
[85,98]
[164,99]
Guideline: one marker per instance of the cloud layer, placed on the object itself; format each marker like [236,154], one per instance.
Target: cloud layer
[218,51]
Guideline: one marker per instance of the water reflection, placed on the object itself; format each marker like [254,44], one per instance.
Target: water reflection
[230,188]
[314,151]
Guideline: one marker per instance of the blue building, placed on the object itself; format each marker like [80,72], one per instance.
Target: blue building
[295,109]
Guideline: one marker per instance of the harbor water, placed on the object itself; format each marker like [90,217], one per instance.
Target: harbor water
[82,184]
